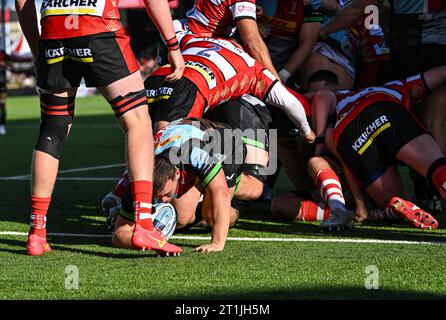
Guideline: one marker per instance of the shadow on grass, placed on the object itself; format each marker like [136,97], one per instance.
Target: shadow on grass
[328,293]
[65,245]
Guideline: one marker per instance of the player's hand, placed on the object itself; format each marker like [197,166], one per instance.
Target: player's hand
[310,137]
[361,214]
[176,65]
[211,247]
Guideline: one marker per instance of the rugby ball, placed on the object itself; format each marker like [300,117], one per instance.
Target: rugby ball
[164,218]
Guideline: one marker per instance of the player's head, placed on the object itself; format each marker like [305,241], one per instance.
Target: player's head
[165,179]
[322,80]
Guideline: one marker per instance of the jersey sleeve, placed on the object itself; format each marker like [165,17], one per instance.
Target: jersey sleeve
[202,162]
[415,89]
[313,12]
[243,9]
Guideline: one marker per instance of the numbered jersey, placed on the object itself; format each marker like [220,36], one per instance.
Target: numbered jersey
[221,70]
[61,19]
[407,92]
[216,18]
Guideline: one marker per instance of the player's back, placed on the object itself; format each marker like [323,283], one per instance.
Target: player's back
[406,92]
[216,18]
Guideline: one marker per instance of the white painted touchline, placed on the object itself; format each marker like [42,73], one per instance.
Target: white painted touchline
[70,171]
[324,240]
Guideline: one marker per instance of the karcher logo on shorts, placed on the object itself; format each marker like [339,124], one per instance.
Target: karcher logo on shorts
[370,133]
[155,95]
[68,7]
[76,54]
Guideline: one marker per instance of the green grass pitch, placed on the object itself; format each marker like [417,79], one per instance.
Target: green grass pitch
[316,267]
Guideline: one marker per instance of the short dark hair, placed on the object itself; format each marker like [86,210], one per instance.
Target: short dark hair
[163,170]
[324,75]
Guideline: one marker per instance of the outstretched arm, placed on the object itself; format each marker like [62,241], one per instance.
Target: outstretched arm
[26,12]
[159,12]
[217,212]
[308,36]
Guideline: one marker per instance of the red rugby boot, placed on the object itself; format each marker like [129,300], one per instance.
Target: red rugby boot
[413,214]
[36,245]
[144,239]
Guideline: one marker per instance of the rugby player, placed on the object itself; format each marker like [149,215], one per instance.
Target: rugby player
[290,29]
[251,119]
[220,19]
[203,164]
[84,39]
[417,39]
[375,129]
[217,70]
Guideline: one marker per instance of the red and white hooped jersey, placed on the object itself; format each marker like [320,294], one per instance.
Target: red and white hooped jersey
[61,19]
[221,70]
[216,18]
[407,92]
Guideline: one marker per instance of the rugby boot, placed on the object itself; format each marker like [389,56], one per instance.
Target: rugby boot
[143,239]
[36,245]
[338,220]
[413,214]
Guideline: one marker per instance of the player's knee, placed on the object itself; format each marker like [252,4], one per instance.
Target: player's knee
[57,116]
[281,208]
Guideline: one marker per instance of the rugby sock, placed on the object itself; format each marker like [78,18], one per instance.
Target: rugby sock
[437,175]
[330,188]
[39,208]
[310,211]
[380,215]
[142,203]
[122,185]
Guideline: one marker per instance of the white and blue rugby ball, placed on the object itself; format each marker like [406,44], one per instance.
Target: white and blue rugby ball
[164,218]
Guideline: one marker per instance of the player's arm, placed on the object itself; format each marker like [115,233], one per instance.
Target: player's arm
[349,15]
[323,104]
[254,44]
[330,7]
[435,78]
[26,12]
[159,12]
[308,36]
[280,97]
[217,210]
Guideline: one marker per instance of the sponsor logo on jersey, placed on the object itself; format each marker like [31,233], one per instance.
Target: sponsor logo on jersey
[77,7]
[204,71]
[370,133]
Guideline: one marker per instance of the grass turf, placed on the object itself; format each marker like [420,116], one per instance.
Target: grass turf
[245,270]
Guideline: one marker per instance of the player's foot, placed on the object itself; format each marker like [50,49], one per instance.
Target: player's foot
[413,214]
[2,129]
[339,220]
[36,246]
[111,204]
[143,239]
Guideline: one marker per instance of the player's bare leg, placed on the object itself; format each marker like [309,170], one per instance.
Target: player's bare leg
[127,97]
[45,163]
[318,62]
[389,193]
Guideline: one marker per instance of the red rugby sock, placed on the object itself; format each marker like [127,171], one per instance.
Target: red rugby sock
[142,203]
[39,208]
